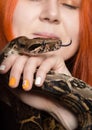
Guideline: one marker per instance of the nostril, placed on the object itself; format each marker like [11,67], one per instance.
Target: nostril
[47,19]
[51,20]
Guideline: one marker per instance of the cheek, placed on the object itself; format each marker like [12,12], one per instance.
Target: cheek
[72,49]
[73,32]
[68,52]
[21,18]
[71,24]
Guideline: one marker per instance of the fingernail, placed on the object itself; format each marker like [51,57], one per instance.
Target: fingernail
[25,85]
[2,67]
[38,81]
[12,82]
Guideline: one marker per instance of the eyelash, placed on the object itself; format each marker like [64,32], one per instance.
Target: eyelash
[70,6]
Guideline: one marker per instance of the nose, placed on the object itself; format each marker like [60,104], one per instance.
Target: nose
[50,12]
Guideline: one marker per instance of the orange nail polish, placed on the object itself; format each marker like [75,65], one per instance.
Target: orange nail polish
[25,85]
[12,81]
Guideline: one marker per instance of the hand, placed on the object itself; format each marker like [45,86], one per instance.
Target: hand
[50,105]
[22,64]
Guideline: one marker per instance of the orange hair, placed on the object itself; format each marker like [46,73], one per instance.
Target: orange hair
[6,13]
[82,63]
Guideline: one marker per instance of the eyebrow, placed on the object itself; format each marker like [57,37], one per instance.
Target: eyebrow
[75,2]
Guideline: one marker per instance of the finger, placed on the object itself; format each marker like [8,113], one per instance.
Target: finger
[44,68]
[7,63]
[51,63]
[29,70]
[16,71]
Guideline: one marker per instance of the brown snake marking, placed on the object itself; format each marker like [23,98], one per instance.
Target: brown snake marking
[23,45]
[75,94]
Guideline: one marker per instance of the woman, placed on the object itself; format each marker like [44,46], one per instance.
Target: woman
[63,19]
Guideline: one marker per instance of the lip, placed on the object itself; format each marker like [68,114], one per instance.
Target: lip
[46,35]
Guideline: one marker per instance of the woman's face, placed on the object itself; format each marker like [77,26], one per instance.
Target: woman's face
[49,18]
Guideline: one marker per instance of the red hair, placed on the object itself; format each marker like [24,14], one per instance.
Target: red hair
[6,13]
[82,65]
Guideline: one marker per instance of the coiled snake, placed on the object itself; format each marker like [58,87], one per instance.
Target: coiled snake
[75,94]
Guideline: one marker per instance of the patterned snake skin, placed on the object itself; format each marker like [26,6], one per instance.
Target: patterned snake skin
[75,94]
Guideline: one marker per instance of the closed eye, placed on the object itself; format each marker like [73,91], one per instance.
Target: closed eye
[70,6]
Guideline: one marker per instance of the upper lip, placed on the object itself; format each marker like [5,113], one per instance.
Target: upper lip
[46,35]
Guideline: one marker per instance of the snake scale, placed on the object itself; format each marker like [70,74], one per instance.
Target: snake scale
[75,94]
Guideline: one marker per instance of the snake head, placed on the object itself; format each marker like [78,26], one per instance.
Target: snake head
[41,45]
[23,45]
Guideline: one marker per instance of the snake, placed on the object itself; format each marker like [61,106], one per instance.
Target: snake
[74,93]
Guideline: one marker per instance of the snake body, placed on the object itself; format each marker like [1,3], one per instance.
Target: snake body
[75,94]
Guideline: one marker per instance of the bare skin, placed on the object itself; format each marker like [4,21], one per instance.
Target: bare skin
[51,18]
